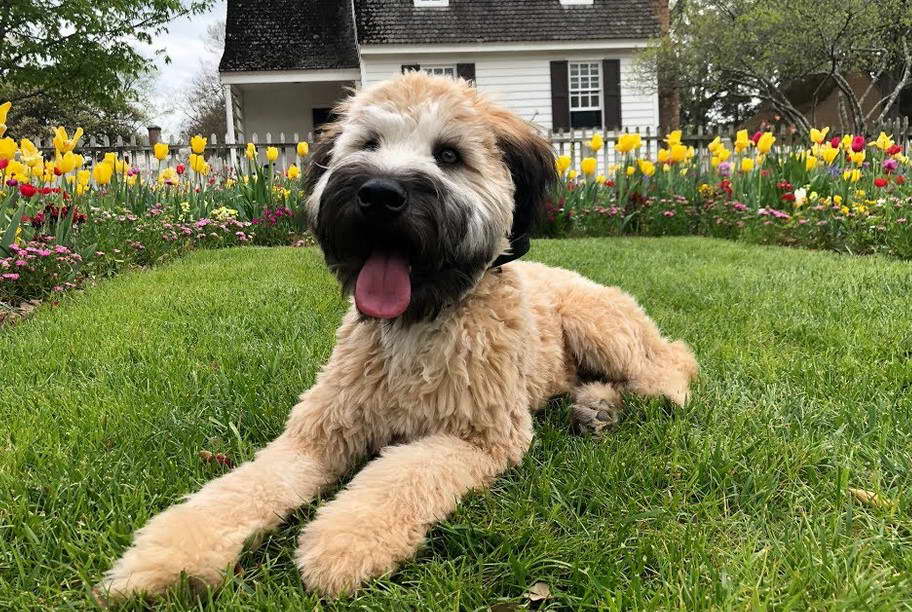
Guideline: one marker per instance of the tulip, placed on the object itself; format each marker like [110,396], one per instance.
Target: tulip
[628,142]
[858,144]
[572,174]
[588,166]
[293,172]
[810,163]
[646,167]
[747,164]
[62,141]
[829,155]
[722,153]
[8,149]
[893,150]
[82,177]
[198,144]
[272,153]
[160,150]
[65,163]
[102,172]
[250,151]
[900,179]
[853,176]
[562,163]
[27,190]
[741,141]
[631,170]
[835,142]
[596,143]
[198,164]
[765,142]
[674,138]
[881,182]
[29,153]
[180,168]
[818,136]
[303,149]
[4,109]
[756,137]
[858,158]
[678,153]
[883,142]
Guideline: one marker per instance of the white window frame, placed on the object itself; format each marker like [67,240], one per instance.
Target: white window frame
[598,90]
[571,2]
[440,69]
[431,3]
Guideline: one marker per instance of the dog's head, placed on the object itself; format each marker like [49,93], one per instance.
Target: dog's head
[416,190]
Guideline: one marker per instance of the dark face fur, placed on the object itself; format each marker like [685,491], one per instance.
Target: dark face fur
[424,177]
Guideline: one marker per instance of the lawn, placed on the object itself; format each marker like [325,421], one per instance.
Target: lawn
[739,500]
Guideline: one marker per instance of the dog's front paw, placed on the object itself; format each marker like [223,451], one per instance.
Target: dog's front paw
[337,554]
[173,543]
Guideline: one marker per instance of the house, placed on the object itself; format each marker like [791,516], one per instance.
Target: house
[559,63]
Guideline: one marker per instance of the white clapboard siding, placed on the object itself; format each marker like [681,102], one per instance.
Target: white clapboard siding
[521,81]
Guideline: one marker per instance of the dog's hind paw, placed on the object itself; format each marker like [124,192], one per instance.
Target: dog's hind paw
[594,419]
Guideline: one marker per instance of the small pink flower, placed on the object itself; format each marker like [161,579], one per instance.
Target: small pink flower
[20,263]
[669,213]
[11,276]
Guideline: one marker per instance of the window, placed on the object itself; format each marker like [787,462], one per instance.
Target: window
[431,3]
[585,94]
[440,70]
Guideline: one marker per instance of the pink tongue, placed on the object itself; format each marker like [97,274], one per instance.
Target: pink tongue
[383,289]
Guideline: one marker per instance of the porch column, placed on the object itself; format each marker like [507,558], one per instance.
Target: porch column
[229,124]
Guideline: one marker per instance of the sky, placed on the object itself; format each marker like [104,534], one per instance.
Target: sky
[185,45]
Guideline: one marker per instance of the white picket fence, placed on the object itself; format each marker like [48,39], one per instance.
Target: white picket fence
[224,158]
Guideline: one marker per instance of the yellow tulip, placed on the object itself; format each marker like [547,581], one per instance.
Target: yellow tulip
[600,179]
[852,176]
[8,148]
[674,138]
[829,154]
[715,161]
[572,174]
[765,144]
[82,177]
[4,109]
[588,166]
[818,136]
[29,153]
[631,170]
[293,172]
[742,141]
[679,153]
[303,149]
[160,150]
[198,164]
[250,151]
[102,172]
[847,142]
[747,164]
[562,163]
[722,153]
[883,142]
[715,144]
[63,142]
[664,156]
[65,163]
[596,143]
[628,142]
[646,167]
[272,153]
[810,163]
[858,158]
[198,144]
[168,175]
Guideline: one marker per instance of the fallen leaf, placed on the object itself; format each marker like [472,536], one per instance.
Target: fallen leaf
[538,592]
[205,456]
[872,499]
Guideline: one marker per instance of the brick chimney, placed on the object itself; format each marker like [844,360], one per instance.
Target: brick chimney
[669,96]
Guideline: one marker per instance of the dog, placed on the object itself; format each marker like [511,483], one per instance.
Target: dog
[422,195]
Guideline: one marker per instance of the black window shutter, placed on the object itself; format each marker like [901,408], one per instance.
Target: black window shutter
[560,96]
[466,71]
[410,68]
[611,74]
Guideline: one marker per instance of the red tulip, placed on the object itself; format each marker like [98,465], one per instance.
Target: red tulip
[835,142]
[756,137]
[3,164]
[894,149]
[27,190]
[880,182]
[858,144]
[900,179]
[180,168]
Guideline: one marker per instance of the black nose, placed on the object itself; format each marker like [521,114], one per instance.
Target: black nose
[382,198]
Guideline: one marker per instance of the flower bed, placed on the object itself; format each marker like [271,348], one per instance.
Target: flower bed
[844,194]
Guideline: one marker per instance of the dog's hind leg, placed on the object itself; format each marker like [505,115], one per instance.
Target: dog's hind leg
[610,336]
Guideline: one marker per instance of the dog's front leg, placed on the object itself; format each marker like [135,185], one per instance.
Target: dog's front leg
[204,535]
[382,517]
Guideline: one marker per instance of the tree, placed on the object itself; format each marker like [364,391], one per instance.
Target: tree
[726,55]
[81,54]
[204,101]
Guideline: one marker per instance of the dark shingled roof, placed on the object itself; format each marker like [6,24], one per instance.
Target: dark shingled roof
[487,21]
[289,35]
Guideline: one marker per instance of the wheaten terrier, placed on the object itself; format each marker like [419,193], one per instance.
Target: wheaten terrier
[421,192]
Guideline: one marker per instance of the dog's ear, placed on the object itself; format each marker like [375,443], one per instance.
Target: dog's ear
[530,160]
[321,155]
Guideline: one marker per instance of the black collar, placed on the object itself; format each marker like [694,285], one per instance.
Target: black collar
[518,247]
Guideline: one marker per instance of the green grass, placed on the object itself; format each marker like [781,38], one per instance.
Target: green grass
[738,500]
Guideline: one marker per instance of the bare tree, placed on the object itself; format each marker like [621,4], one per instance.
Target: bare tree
[203,105]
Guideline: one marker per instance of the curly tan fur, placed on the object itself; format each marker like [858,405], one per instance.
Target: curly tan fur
[446,402]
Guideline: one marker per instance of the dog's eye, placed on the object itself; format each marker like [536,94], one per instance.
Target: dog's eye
[447,156]
[371,145]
